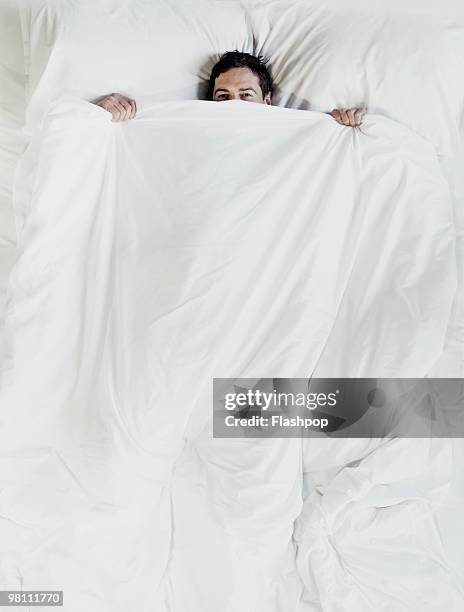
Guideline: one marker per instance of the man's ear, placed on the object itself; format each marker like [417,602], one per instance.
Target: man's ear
[268,99]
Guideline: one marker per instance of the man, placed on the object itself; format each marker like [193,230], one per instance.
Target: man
[236,76]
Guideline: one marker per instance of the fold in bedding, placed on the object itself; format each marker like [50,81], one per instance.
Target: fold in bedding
[210,240]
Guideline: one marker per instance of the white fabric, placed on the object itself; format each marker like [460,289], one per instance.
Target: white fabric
[135,47]
[227,239]
[401,60]
[339,55]
[202,240]
[12,141]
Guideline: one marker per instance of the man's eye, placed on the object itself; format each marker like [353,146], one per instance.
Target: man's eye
[246,95]
[222,97]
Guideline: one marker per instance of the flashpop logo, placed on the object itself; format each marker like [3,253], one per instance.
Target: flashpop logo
[265,400]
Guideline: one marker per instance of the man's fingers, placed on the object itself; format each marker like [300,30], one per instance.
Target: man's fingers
[337,115]
[112,105]
[344,117]
[105,104]
[128,109]
[116,111]
[358,116]
[351,117]
[133,108]
[121,108]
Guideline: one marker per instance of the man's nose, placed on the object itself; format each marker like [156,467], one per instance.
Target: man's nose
[234,95]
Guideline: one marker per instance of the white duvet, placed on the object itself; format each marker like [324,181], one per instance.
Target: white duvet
[222,240]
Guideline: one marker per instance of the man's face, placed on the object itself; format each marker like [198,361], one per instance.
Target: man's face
[239,84]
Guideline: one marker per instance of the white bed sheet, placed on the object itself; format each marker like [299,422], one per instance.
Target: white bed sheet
[401,58]
[179,248]
[101,502]
[12,139]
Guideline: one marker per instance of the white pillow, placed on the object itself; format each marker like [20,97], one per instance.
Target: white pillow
[404,64]
[401,61]
[136,47]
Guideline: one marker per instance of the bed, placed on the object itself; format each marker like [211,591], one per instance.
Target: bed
[205,240]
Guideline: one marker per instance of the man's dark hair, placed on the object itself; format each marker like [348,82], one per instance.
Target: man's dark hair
[238,59]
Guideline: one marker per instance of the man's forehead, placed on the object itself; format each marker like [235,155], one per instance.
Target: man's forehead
[242,77]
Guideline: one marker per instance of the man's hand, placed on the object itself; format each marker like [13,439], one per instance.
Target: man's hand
[351,117]
[119,106]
